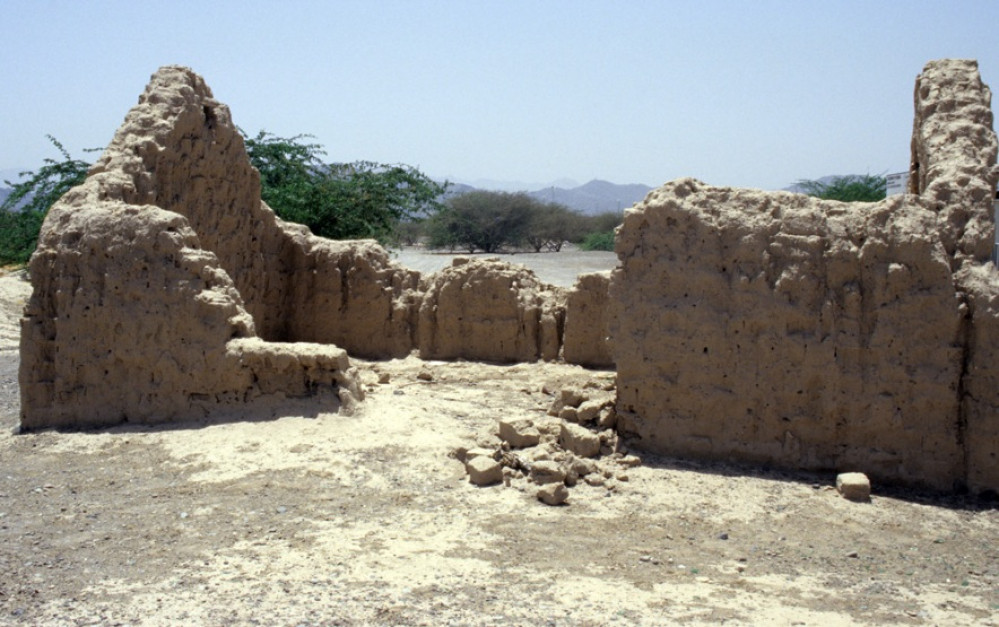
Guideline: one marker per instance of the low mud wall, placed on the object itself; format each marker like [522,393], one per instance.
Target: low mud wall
[781,329]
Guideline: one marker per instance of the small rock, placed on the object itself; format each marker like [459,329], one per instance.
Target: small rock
[544,472]
[595,480]
[384,377]
[854,486]
[723,536]
[472,453]
[553,493]
[572,397]
[579,440]
[583,467]
[483,471]
[425,375]
[569,414]
[588,411]
[607,418]
[853,554]
[630,461]
[519,433]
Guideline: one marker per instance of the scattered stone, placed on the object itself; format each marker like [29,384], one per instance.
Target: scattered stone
[483,471]
[630,461]
[623,477]
[588,411]
[553,494]
[425,375]
[594,479]
[519,433]
[569,414]
[854,486]
[579,440]
[607,418]
[572,397]
[723,536]
[384,377]
[472,453]
[583,467]
[853,554]
[547,472]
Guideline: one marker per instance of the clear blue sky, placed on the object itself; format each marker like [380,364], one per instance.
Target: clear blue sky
[753,94]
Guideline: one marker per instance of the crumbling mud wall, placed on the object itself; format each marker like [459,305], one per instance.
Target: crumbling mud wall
[130,320]
[954,156]
[179,149]
[153,278]
[980,384]
[491,311]
[586,323]
[781,329]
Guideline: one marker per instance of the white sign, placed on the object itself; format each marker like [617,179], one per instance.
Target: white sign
[896,183]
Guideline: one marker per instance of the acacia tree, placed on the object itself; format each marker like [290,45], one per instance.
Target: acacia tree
[551,225]
[481,220]
[23,211]
[340,200]
[851,188]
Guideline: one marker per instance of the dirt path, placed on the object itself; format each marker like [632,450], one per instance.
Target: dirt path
[323,519]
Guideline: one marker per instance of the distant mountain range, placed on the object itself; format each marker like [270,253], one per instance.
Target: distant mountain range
[592,198]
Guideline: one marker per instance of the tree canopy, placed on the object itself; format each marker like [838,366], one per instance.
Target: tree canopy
[340,200]
[22,212]
[851,188]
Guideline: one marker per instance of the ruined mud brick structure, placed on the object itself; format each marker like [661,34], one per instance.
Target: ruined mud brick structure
[782,329]
[745,326]
[164,289]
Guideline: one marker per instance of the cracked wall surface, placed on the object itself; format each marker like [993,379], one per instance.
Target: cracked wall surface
[782,329]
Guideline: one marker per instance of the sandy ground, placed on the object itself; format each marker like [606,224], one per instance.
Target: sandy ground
[325,519]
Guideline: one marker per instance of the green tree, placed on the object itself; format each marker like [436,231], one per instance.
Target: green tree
[851,188]
[24,210]
[341,200]
[603,240]
[550,226]
[481,220]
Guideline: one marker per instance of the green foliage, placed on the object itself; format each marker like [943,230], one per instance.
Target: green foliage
[603,240]
[550,225]
[853,188]
[22,213]
[481,220]
[339,201]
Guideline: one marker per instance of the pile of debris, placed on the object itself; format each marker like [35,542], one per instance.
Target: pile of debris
[576,443]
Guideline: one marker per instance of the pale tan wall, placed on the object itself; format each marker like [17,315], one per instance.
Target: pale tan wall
[152,279]
[775,328]
[488,310]
[130,317]
[980,389]
[586,323]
